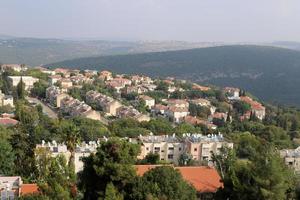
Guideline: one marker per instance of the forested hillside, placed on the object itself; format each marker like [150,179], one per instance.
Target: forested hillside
[268,72]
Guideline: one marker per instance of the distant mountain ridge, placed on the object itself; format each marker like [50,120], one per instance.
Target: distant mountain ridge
[37,51]
[270,73]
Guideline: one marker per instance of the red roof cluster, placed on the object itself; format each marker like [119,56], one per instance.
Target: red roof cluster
[254,104]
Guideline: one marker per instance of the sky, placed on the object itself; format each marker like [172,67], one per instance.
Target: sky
[185,20]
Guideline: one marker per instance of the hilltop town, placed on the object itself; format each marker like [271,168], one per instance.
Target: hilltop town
[59,117]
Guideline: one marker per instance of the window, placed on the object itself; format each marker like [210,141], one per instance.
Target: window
[195,149]
[179,149]
[170,156]
[162,151]
[147,148]
[156,148]
[171,148]
[162,159]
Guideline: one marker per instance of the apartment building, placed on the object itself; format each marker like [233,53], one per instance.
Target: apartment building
[82,150]
[74,107]
[27,80]
[170,148]
[129,111]
[54,96]
[108,104]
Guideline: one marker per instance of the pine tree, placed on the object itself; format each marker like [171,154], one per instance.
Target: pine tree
[111,193]
[21,89]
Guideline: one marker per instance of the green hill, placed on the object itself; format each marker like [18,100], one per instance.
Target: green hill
[270,73]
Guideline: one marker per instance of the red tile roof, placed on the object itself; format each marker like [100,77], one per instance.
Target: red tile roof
[204,179]
[29,189]
[8,122]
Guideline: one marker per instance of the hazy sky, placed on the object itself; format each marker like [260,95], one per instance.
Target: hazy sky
[189,20]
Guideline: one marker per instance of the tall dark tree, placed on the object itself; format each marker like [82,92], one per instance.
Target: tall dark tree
[171,186]
[112,164]
[21,89]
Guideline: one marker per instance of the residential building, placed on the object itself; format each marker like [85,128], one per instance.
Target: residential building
[105,75]
[170,148]
[27,80]
[54,95]
[12,187]
[178,103]
[201,147]
[6,100]
[82,150]
[129,111]
[291,158]
[176,114]
[135,89]
[66,83]
[73,107]
[195,121]
[201,102]
[14,67]
[232,93]
[64,72]
[256,108]
[54,79]
[199,87]
[107,104]
[149,101]
[159,109]
[115,85]
[45,70]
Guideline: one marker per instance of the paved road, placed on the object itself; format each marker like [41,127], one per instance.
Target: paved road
[46,109]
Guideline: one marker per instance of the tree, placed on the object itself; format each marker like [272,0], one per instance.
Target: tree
[127,127]
[21,89]
[111,193]
[71,137]
[90,130]
[186,128]
[7,157]
[171,186]
[158,126]
[263,176]
[151,158]
[241,107]
[112,164]
[39,89]
[57,184]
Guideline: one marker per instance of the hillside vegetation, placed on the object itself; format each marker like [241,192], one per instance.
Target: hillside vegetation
[270,73]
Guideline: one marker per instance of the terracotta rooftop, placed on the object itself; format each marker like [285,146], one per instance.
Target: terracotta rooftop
[29,189]
[204,179]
